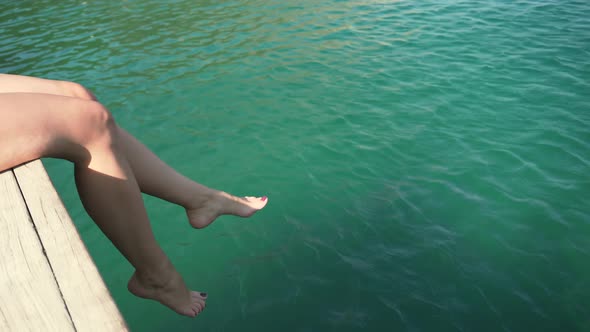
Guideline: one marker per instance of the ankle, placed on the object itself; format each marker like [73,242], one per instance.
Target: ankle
[201,198]
[159,274]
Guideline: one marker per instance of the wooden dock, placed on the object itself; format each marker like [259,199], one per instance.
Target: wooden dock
[48,281]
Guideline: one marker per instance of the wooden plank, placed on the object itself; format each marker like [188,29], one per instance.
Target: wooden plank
[86,295]
[30,299]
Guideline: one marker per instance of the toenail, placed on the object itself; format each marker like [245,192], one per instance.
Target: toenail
[204,294]
[264,198]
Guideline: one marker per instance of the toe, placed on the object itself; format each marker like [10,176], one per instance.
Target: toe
[197,309]
[199,295]
[256,202]
[198,306]
[261,202]
[190,312]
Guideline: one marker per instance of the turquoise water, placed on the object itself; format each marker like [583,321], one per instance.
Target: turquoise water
[427,163]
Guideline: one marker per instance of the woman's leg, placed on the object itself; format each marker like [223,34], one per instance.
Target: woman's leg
[154,177]
[27,84]
[84,132]
[202,204]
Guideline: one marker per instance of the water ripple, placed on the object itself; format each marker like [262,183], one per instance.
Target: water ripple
[427,161]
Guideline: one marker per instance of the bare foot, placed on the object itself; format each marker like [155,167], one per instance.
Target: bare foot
[208,208]
[168,289]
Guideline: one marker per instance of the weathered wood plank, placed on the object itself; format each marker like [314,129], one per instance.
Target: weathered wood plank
[87,297]
[30,299]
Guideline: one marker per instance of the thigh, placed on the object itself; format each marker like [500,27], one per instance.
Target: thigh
[17,83]
[36,125]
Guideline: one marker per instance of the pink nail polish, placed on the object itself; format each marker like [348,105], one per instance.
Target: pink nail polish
[264,198]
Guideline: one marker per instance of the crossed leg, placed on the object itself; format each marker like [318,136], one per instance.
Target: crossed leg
[53,121]
[154,177]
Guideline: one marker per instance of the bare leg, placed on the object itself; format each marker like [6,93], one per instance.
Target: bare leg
[203,205]
[26,84]
[82,131]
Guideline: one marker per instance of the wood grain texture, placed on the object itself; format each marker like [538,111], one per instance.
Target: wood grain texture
[85,293]
[30,299]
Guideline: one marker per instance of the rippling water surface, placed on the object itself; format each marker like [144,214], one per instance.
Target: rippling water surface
[427,162]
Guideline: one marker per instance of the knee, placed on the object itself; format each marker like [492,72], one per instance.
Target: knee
[100,124]
[77,90]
